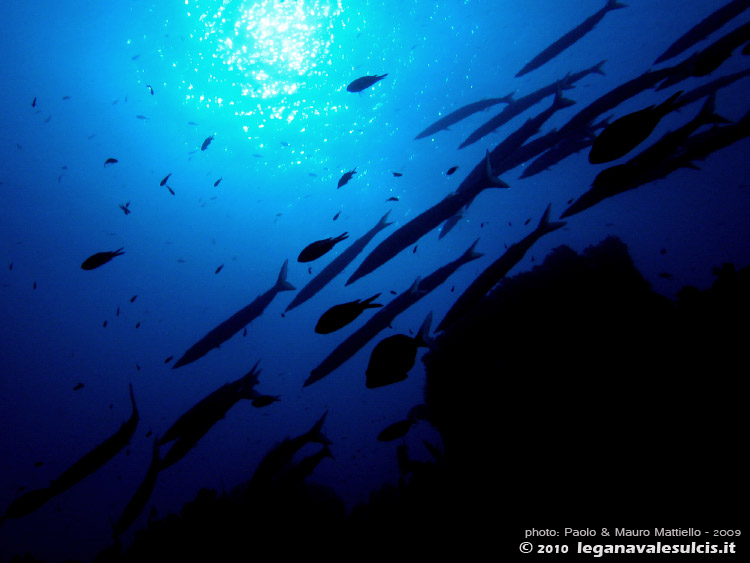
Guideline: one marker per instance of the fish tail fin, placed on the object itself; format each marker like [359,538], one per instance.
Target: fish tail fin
[383,223]
[545,225]
[315,434]
[368,303]
[597,68]
[250,379]
[382,76]
[118,251]
[561,101]
[708,112]
[415,286]
[423,335]
[669,104]
[341,237]
[614,5]
[471,254]
[494,181]
[326,451]
[281,283]
[508,98]
[132,398]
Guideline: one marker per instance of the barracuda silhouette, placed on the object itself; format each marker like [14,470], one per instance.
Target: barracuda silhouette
[520,105]
[236,322]
[497,270]
[462,113]
[569,38]
[704,28]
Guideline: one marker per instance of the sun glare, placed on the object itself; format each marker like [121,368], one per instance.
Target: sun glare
[258,57]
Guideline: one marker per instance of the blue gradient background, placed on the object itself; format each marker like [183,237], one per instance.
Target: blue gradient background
[438,56]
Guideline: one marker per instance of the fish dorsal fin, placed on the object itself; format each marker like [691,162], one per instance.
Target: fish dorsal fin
[415,286]
[494,181]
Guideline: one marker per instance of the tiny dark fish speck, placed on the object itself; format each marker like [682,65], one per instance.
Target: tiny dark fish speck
[137,367]
[164,180]
[110,161]
[138,324]
[397,174]
[38,464]
[33,103]
[148,434]
[451,170]
[133,298]
[34,285]
[216,183]
[392,199]
[415,249]
[78,386]
[150,89]
[309,270]
[337,215]
[169,359]
[207,142]
[219,269]
[527,221]
[393,292]
[104,324]
[244,332]
[171,191]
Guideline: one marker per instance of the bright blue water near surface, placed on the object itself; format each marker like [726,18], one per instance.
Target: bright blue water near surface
[268,79]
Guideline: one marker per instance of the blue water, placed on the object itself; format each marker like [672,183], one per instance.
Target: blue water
[282,140]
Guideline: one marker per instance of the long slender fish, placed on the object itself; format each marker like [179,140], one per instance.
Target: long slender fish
[569,38]
[101,454]
[704,28]
[706,61]
[214,405]
[574,142]
[462,113]
[497,270]
[383,318]
[199,419]
[483,176]
[139,499]
[522,104]
[236,322]
[281,455]
[337,265]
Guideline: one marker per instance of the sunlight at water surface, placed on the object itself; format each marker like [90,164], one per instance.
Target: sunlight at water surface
[259,57]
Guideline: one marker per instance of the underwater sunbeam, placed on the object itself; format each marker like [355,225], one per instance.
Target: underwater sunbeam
[258,57]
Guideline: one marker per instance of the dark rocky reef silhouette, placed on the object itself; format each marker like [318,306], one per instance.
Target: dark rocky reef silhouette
[571,395]
[577,396]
